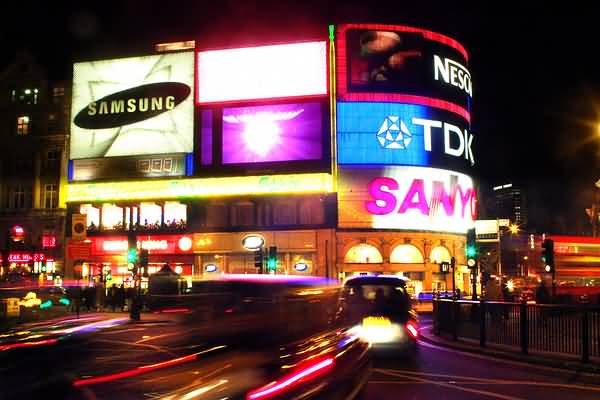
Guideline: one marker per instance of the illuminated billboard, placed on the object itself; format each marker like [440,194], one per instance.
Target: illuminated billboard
[133,106]
[402,64]
[402,134]
[409,198]
[283,132]
[264,72]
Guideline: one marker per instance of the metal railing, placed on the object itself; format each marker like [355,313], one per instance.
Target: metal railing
[532,328]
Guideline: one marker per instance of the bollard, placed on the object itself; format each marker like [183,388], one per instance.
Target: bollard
[482,327]
[585,339]
[524,328]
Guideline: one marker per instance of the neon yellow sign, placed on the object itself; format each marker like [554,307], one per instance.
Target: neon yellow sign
[200,187]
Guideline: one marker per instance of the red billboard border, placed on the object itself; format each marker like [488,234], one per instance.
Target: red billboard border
[341,71]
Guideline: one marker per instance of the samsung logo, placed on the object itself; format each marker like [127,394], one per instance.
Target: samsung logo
[452,73]
[132,105]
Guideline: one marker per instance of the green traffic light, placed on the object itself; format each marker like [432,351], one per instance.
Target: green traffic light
[272,263]
[132,256]
[471,251]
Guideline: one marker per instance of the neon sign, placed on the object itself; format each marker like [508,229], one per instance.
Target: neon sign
[412,198]
[200,187]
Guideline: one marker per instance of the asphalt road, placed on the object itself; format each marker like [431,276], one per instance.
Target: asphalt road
[442,373]
[117,352]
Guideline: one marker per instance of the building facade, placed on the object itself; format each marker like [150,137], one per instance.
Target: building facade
[344,163]
[34,112]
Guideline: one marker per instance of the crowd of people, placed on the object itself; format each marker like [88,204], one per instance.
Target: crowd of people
[100,298]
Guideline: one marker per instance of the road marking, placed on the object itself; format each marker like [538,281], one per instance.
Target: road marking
[449,386]
[158,337]
[478,381]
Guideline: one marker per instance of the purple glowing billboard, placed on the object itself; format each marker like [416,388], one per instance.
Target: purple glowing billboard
[282,132]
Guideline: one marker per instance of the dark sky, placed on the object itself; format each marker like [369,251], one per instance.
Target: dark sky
[536,80]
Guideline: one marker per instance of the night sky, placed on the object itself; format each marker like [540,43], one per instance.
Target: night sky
[536,88]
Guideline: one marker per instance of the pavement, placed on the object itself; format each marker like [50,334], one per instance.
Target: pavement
[504,352]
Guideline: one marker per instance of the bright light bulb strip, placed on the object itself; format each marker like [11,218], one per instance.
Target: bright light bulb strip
[201,187]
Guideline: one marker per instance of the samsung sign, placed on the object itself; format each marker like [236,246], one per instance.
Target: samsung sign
[402,134]
[133,106]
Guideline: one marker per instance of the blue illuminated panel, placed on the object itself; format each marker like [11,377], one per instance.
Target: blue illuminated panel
[402,134]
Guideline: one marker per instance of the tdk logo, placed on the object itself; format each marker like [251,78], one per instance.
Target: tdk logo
[452,73]
[393,134]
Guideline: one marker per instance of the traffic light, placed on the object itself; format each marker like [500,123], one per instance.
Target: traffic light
[258,258]
[132,252]
[43,267]
[548,255]
[272,259]
[471,248]
[108,275]
[144,262]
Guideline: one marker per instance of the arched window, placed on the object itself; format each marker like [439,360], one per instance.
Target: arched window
[439,254]
[364,254]
[406,254]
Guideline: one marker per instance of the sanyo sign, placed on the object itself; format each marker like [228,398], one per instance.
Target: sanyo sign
[452,73]
[421,198]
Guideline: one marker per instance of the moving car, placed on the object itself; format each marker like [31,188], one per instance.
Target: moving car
[379,308]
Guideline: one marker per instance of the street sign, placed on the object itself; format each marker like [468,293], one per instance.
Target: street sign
[78,227]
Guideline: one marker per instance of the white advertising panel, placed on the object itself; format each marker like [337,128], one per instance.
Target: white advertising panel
[133,106]
[264,72]
[411,198]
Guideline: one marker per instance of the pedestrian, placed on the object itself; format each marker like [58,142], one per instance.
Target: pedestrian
[121,297]
[100,296]
[112,297]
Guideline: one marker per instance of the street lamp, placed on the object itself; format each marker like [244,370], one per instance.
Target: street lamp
[514,229]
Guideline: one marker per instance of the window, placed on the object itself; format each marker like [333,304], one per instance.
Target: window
[216,215]
[363,253]
[23,125]
[25,96]
[52,159]
[406,254]
[312,212]
[50,196]
[284,213]
[20,197]
[58,91]
[243,214]
[439,254]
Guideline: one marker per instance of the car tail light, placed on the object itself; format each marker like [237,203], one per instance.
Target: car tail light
[411,327]
[305,373]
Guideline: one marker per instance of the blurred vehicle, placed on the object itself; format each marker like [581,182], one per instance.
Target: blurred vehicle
[56,294]
[379,308]
[251,308]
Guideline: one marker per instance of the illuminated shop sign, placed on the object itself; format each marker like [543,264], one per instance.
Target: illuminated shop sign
[403,64]
[200,187]
[253,242]
[155,244]
[284,132]
[412,198]
[133,106]
[264,72]
[25,257]
[402,134]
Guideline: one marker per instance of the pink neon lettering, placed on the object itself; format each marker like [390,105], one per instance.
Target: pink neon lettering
[465,199]
[416,189]
[376,191]
[440,196]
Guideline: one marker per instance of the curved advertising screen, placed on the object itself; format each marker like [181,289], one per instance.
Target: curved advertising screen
[407,198]
[405,64]
[403,134]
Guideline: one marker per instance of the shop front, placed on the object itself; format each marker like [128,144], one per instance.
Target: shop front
[26,265]
[299,252]
[107,260]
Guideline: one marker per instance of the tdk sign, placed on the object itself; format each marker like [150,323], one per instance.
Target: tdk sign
[402,134]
